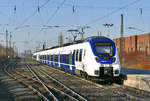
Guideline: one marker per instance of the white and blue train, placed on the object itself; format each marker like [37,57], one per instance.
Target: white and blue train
[96,56]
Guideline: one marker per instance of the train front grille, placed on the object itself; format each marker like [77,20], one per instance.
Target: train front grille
[106,71]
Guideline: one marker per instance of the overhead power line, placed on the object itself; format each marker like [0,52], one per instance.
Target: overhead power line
[51,17]
[26,19]
[114,11]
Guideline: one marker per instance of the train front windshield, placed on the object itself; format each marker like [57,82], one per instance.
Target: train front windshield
[103,49]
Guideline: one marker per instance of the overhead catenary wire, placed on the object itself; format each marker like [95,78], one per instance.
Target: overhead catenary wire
[55,12]
[92,6]
[26,19]
[113,12]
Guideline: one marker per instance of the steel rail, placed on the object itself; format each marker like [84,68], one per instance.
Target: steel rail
[24,84]
[115,91]
[61,84]
[46,88]
[29,78]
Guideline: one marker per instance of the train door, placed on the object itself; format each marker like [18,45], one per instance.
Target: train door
[78,59]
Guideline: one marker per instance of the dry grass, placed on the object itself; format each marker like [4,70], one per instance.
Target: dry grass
[3,52]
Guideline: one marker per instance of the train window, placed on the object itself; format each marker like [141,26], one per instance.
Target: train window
[80,55]
[77,52]
[63,58]
[56,58]
[103,49]
[45,57]
[74,55]
[70,55]
[51,57]
[59,58]
[68,59]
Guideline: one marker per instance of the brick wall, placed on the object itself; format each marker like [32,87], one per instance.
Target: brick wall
[135,43]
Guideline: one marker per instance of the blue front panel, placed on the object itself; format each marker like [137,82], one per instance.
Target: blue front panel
[103,60]
[109,60]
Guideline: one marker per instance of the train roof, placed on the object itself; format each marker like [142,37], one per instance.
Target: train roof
[77,42]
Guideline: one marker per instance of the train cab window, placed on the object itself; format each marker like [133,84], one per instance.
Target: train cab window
[80,55]
[77,53]
[103,49]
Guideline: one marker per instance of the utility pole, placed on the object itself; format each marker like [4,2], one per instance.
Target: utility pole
[10,45]
[13,50]
[6,43]
[121,34]
[60,40]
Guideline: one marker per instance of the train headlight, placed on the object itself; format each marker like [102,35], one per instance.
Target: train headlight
[97,59]
[96,72]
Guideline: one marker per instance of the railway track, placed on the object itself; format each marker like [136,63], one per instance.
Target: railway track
[81,86]
[34,82]
[34,87]
[50,83]
[110,91]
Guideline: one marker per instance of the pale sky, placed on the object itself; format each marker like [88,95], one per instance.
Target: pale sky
[29,21]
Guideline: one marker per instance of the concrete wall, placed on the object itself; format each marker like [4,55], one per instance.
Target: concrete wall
[138,81]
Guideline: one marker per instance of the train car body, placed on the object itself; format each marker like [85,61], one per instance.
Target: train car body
[94,57]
